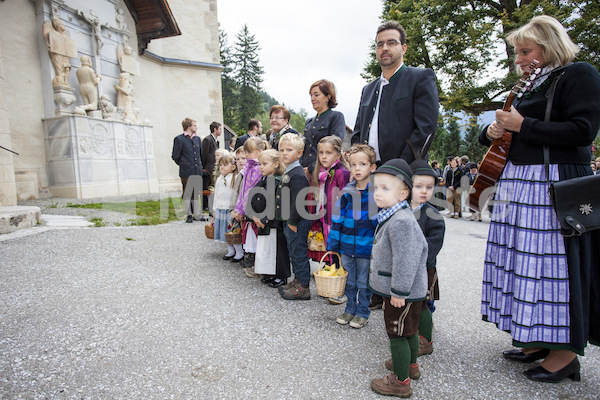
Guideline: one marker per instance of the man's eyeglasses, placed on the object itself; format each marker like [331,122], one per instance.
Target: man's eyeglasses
[274,118]
[390,43]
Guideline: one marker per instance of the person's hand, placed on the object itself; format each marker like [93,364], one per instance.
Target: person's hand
[397,302]
[307,174]
[293,228]
[509,120]
[450,187]
[258,223]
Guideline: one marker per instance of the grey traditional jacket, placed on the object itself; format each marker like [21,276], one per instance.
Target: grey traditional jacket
[399,258]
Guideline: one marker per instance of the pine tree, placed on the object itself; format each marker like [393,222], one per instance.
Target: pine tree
[470,145]
[248,75]
[451,145]
[228,85]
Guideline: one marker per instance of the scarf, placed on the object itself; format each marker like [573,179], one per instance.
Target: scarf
[386,213]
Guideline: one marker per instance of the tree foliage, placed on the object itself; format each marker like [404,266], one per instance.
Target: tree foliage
[462,41]
[241,80]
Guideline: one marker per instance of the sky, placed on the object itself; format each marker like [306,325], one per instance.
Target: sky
[304,41]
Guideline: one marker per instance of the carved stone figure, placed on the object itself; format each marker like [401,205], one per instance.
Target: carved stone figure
[96,29]
[125,95]
[88,82]
[109,111]
[126,60]
[61,49]
[120,19]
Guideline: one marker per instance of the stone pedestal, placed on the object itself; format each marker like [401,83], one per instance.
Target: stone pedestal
[64,96]
[89,157]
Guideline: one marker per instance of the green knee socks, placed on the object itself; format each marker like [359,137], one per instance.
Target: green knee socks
[401,356]
[413,343]
[426,324]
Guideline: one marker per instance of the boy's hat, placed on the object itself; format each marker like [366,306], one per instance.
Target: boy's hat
[472,165]
[398,168]
[422,167]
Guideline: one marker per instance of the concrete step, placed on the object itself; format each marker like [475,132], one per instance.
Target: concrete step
[14,218]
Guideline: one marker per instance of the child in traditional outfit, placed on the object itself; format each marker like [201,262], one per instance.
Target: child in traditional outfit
[433,227]
[398,274]
[330,176]
[224,190]
[262,210]
[291,198]
[240,162]
[351,235]
[251,172]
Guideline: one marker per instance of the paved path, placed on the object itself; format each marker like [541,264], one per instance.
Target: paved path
[154,313]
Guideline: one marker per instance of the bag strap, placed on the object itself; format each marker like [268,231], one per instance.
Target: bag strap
[550,96]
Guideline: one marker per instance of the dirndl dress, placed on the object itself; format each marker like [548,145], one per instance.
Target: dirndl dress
[526,279]
[222,221]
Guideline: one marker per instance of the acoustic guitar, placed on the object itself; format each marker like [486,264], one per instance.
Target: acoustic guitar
[494,160]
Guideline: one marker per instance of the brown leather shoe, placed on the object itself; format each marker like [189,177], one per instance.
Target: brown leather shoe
[413,370]
[391,386]
[425,346]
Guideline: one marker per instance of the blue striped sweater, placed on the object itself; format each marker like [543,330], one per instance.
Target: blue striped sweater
[352,231]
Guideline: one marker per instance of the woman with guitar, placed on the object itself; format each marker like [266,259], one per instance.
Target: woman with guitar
[542,287]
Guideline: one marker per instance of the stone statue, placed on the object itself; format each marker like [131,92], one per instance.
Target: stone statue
[125,95]
[109,111]
[120,18]
[88,82]
[61,48]
[126,60]
[96,29]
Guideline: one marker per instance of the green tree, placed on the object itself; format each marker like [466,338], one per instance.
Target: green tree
[229,87]
[459,40]
[451,144]
[248,75]
[470,144]
[437,151]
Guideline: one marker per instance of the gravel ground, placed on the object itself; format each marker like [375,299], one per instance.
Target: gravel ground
[155,313]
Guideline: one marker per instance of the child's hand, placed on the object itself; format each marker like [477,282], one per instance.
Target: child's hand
[236,215]
[397,302]
[258,223]
[293,228]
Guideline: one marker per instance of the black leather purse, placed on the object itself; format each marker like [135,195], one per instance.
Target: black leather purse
[576,201]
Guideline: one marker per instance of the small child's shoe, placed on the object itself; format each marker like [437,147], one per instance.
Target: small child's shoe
[413,370]
[338,300]
[391,386]
[344,319]
[425,346]
[358,322]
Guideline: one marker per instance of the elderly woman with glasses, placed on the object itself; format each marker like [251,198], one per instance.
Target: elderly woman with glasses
[326,123]
[279,117]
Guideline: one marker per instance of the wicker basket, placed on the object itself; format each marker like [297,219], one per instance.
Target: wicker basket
[209,229]
[330,286]
[233,238]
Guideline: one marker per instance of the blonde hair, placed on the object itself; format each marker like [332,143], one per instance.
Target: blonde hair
[226,159]
[550,35]
[296,141]
[364,148]
[334,142]
[273,156]
[255,144]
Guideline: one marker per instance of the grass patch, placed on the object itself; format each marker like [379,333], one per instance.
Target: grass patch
[98,222]
[148,211]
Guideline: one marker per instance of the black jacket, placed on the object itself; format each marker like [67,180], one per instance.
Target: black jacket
[187,154]
[262,203]
[408,110]
[327,124]
[288,192]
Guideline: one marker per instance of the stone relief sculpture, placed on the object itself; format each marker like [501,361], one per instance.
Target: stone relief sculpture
[125,94]
[120,19]
[109,111]
[126,60]
[96,27]
[61,49]
[88,82]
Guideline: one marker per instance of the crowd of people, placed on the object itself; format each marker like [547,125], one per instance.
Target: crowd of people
[273,193]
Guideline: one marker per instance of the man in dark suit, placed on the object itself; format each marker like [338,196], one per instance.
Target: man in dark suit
[187,154]
[254,129]
[401,104]
[210,144]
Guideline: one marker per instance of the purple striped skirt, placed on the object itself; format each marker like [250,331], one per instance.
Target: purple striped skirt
[525,278]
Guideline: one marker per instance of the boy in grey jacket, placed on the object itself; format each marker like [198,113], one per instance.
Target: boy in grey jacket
[398,273]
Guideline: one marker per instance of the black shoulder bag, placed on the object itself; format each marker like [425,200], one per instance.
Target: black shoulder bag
[576,201]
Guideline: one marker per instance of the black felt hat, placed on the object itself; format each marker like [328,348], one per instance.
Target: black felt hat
[399,168]
[422,167]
